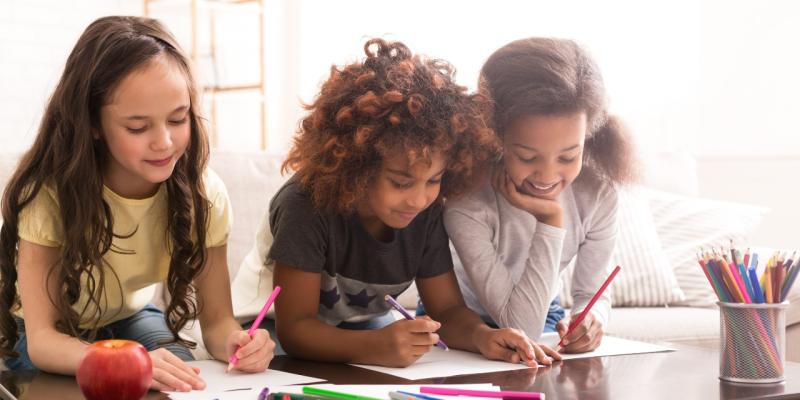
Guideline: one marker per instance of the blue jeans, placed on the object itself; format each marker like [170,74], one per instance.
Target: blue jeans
[147,327]
[375,323]
[554,314]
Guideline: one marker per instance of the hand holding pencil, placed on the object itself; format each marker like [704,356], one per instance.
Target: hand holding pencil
[255,348]
[584,332]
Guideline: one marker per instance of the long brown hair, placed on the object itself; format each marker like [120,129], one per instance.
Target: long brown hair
[66,156]
[391,101]
[546,76]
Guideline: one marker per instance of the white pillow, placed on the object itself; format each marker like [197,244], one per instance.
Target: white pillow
[646,278]
[687,224]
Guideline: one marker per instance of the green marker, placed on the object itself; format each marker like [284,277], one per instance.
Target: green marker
[293,396]
[335,395]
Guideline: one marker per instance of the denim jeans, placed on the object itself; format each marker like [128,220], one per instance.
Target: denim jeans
[375,323]
[554,314]
[147,327]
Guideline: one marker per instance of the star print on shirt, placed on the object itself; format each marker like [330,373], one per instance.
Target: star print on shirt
[361,299]
[328,298]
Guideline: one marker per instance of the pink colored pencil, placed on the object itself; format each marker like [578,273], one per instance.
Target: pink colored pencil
[585,311]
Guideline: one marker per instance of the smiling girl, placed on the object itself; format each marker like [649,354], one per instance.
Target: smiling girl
[112,198]
[552,199]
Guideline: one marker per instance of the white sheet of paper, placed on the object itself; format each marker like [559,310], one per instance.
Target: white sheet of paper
[437,363]
[376,391]
[611,346]
[217,381]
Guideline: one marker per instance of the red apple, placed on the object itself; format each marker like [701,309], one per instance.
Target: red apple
[115,369]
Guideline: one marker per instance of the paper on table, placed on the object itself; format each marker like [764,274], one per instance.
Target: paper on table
[376,391]
[213,372]
[611,346]
[249,394]
[438,362]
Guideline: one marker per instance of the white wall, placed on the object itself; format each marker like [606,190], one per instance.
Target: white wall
[36,37]
[644,59]
[750,81]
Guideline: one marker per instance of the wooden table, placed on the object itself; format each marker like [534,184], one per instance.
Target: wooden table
[689,373]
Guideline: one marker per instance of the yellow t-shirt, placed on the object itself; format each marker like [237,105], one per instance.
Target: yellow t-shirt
[139,261]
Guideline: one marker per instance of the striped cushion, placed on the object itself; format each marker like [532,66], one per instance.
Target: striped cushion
[646,278]
[687,224]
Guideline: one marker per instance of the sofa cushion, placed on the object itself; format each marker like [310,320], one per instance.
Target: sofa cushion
[252,178]
[687,224]
[686,325]
[646,278]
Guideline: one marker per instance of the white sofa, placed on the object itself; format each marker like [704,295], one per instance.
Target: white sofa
[252,179]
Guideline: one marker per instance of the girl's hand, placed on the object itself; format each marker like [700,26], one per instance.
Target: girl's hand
[512,345]
[254,353]
[170,373]
[585,337]
[545,210]
[404,341]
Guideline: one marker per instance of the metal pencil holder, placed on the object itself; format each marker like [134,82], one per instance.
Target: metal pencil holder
[752,342]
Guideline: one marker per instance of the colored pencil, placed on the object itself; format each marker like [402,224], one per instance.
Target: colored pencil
[586,310]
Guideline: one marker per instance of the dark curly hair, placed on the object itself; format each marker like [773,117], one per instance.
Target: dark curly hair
[547,76]
[393,101]
[65,155]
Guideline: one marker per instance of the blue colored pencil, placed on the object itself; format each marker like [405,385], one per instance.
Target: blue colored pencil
[759,296]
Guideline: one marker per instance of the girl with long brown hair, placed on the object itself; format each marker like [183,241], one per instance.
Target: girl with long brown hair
[552,198]
[113,198]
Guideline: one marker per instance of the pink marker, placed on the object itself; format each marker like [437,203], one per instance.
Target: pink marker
[233,359]
[503,394]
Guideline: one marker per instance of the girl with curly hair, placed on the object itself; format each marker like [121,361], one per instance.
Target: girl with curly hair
[113,198]
[552,198]
[384,142]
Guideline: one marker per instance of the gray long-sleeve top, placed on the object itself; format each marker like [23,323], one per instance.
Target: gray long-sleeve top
[508,265]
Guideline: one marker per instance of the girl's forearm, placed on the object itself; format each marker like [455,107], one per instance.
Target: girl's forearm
[55,352]
[215,337]
[312,339]
[459,328]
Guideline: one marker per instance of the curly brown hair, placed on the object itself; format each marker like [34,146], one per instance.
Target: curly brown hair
[66,155]
[548,76]
[391,102]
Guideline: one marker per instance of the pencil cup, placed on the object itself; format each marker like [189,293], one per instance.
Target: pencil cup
[752,342]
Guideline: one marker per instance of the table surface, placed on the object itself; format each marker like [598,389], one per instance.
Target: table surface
[689,373]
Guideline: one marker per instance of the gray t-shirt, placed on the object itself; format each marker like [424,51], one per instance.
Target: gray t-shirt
[357,270]
[508,264]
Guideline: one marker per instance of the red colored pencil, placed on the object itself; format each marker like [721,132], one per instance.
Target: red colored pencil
[575,322]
